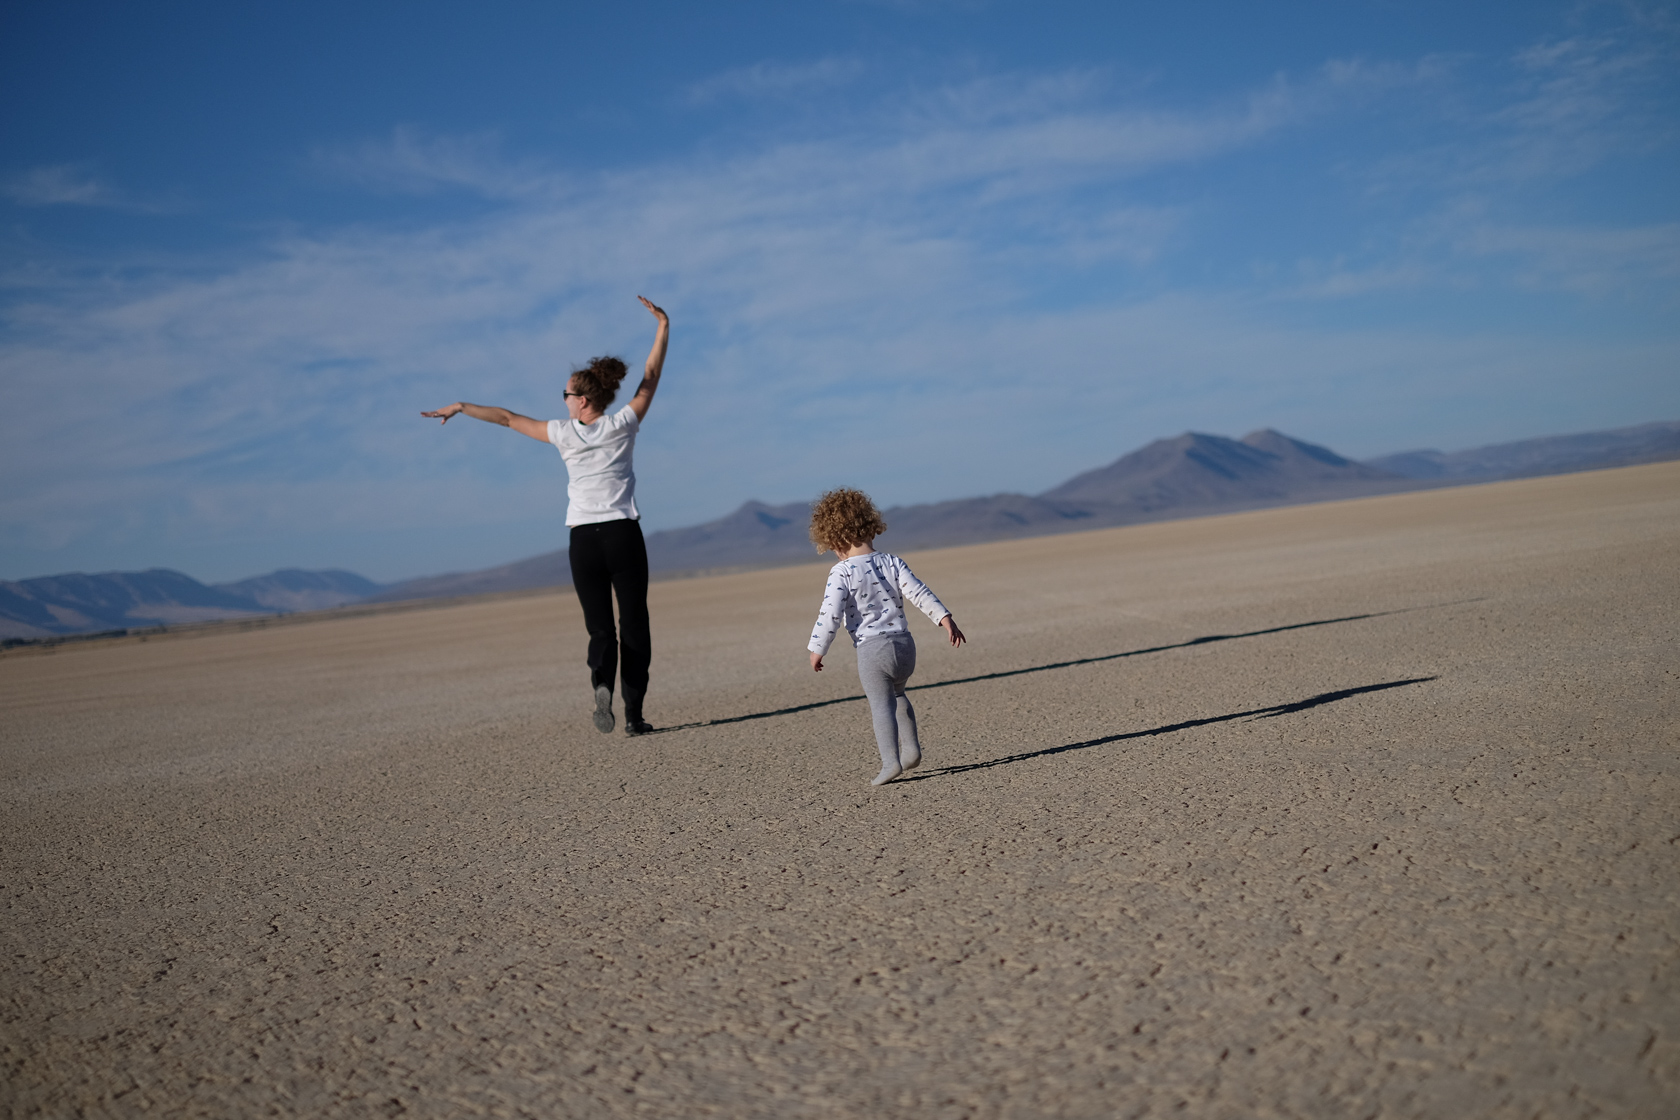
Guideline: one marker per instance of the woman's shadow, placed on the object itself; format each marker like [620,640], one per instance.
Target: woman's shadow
[1324,698]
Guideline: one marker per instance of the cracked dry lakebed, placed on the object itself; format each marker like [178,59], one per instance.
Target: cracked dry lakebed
[1361,809]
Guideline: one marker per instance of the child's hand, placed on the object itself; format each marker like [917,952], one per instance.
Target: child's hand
[816,662]
[951,628]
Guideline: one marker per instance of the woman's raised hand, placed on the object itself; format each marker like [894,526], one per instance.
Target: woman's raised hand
[443,414]
[655,360]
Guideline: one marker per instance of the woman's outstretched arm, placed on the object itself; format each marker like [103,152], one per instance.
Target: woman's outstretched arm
[655,362]
[524,425]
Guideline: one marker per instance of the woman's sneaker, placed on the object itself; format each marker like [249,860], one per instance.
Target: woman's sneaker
[603,709]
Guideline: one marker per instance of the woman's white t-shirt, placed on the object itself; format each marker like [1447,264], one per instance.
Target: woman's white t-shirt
[600,482]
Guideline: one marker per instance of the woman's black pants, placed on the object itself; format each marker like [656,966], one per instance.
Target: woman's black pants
[609,557]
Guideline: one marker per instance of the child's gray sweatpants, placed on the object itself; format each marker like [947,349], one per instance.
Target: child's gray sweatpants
[885,663]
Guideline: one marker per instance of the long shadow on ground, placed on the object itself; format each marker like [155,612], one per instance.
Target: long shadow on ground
[1168,728]
[1202,641]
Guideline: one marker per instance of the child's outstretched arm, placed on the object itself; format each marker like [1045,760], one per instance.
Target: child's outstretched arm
[920,594]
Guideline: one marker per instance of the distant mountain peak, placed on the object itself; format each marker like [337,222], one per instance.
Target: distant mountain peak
[1275,442]
[1208,470]
[294,589]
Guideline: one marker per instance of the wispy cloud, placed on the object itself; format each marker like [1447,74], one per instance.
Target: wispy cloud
[1582,99]
[925,5]
[1587,258]
[411,161]
[776,80]
[1023,134]
[62,184]
[1566,106]
[1339,279]
[1484,174]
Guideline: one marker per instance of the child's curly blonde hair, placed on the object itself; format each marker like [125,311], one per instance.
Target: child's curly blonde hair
[843,518]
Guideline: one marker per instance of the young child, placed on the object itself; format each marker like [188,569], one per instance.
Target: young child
[866,591]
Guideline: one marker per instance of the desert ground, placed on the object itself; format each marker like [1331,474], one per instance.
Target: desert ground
[1363,809]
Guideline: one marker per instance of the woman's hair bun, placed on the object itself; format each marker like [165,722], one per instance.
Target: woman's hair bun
[609,369]
[598,381]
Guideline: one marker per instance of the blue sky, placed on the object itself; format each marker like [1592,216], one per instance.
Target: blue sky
[931,249]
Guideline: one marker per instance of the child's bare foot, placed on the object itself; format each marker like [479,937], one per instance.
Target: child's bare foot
[889,771]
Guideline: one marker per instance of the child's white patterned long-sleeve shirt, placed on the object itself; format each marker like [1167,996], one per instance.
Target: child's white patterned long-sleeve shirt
[866,594]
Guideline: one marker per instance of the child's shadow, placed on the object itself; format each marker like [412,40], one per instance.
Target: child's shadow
[1168,728]
[1208,639]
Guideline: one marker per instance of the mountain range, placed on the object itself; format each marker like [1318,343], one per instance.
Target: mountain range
[80,603]
[1189,475]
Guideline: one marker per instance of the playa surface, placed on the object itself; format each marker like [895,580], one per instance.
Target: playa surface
[1361,809]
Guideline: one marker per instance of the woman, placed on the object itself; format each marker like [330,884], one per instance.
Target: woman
[607,551]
